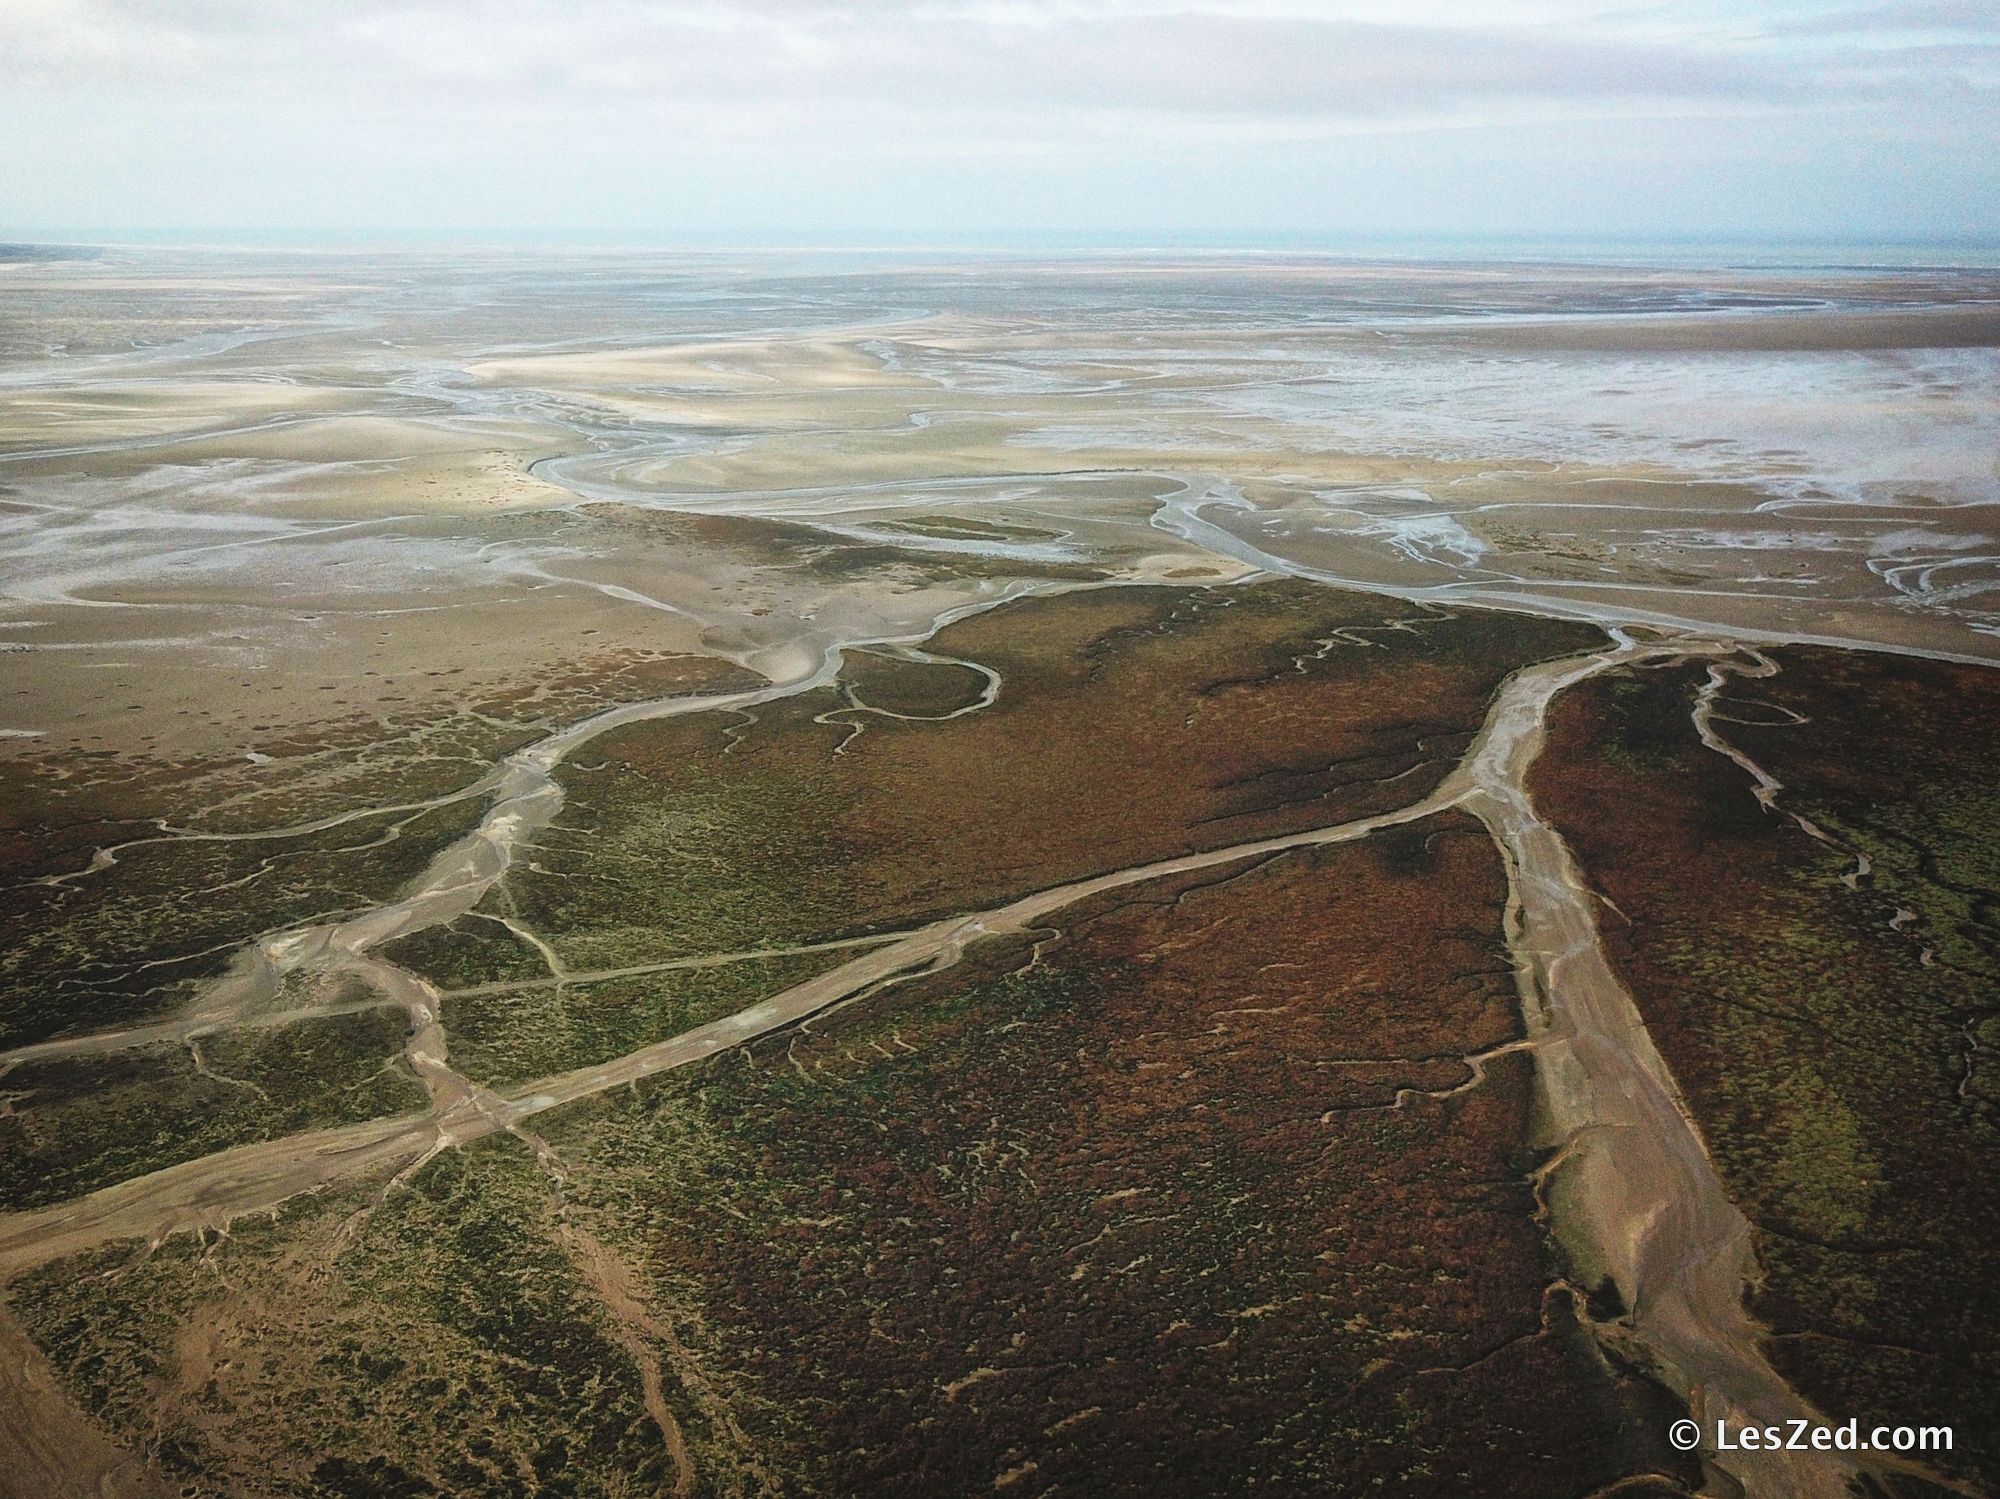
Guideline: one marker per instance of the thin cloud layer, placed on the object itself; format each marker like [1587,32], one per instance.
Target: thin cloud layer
[413,115]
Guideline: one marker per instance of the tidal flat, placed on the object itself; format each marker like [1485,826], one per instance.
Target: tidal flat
[887,875]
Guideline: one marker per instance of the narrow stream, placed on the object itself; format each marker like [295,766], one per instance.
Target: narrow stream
[1635,1195]
[1632,1193]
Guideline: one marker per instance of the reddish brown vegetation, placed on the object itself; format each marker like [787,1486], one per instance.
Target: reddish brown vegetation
[1132,725]
[1182,1207]
[1833,1051]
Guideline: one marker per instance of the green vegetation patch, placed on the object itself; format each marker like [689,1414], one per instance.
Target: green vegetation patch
[725,858]
[445,1342]
[474,949]
[1829,1026]
[124,942]
[1131,725]
[516,1034]
[916,688]
[79,1123]
[119,945]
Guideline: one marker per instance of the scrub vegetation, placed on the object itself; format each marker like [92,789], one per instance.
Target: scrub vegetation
[1130,725]
[73,1124]
[1222,1183]
[1827,1004]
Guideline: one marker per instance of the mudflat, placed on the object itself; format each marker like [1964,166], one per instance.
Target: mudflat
[655,874]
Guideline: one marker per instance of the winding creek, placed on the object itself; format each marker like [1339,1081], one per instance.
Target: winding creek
[1628,1187]
[1633,1193]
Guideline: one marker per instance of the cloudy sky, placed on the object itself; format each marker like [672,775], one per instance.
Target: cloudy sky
[898,121]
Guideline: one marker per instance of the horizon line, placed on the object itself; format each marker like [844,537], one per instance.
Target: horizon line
[1383,245]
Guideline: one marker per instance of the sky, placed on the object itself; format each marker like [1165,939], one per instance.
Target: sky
[884,122]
